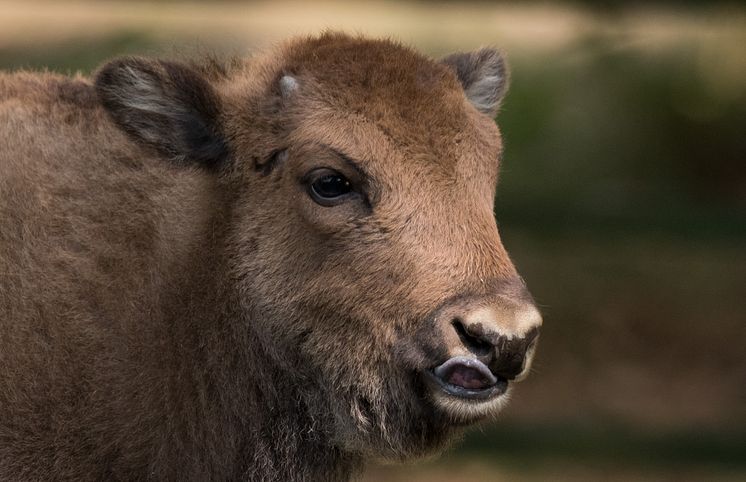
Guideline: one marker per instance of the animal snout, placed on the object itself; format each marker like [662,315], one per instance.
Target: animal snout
[504,354]
[489,341]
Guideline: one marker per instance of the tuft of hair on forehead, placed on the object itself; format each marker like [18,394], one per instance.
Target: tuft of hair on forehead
[338,58]
[384,71]
[404,92]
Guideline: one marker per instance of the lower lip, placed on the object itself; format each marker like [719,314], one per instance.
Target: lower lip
[483,394]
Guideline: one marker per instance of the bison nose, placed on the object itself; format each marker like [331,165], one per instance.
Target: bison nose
[504,355]
[503,340]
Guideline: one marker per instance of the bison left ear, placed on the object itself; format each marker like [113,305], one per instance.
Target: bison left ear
[483,75]
[165,105]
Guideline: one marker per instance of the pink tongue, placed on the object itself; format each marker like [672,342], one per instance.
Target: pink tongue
[465,377]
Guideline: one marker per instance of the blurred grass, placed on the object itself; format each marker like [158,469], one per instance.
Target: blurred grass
[633,155]
[622,200]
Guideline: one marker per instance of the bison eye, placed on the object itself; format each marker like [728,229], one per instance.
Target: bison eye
[329,188]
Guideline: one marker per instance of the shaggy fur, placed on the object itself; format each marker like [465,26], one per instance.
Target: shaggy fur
[174,306]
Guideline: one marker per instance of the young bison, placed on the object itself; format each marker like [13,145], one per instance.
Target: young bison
[276,269]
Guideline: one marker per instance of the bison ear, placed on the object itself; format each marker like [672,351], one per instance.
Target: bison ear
[483,75]
[166,105]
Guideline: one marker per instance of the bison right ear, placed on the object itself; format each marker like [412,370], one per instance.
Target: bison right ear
[165,105]
[484,77]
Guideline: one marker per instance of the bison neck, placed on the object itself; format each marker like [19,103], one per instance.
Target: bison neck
[231,408]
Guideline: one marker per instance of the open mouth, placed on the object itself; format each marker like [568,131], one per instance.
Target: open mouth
[468,378]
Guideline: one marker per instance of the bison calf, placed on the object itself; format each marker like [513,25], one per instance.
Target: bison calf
[272,269]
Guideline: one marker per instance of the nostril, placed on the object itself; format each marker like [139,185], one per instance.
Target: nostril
[508,365]
[512,354]
[475,345]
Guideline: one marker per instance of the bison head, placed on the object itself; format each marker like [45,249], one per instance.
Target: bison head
[362,243]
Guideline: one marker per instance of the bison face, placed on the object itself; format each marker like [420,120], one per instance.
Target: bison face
[363,244]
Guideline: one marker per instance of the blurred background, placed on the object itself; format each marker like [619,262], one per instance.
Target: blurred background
[622,201]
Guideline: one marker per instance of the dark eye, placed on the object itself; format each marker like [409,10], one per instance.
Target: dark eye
[329,188]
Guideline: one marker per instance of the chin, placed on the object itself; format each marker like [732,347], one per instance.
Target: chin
[420,421]
[465,412]
[466,406]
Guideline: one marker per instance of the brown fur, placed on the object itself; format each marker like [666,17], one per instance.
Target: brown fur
[179,309]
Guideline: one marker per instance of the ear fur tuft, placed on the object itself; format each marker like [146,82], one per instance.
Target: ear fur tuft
[166,105]
[483,75]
